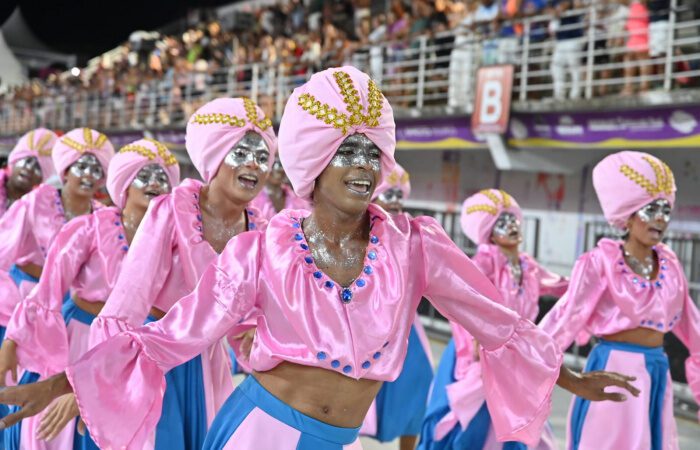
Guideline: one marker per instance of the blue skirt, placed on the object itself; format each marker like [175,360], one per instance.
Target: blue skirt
[12,436]
[183,420]
[311,434]
[401,404]
[474,437]
[656,363]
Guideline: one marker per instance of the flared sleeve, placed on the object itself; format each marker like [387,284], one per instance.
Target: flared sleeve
[520,363]
[119,384]
[142,276]
[688,331]
[551,283]
[37,325]
[567,320]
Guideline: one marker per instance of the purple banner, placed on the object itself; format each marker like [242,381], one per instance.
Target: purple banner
[650,128]
[448,133]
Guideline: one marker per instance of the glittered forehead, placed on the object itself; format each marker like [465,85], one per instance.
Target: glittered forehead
[355,114]
[251,112]
[664,177]
[39,145]
[88,142]
[161,149]
[503,202]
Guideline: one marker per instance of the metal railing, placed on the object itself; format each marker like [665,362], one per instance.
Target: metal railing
[419,73]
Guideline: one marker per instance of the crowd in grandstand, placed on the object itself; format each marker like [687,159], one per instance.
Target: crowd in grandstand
[298,37]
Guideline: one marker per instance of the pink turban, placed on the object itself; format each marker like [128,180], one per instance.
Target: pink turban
[72,145]
[37,143]
[481,211]
[627,181]
[216,128]
[132,158]
[319,115]
[397,179]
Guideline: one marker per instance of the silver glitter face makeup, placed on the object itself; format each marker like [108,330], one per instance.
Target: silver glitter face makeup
[252,149]
[391,196]
[87,166]
[507,225]
[358,151]
[154,177]
[29,164]
[657,210]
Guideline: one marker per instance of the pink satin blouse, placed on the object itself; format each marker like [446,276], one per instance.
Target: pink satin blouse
[360,331]
[85,258]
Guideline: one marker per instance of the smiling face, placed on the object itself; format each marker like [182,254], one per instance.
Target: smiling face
[85,176]
[391,200]
[151,181]
[348,182]
[244,169]
[506,231]
[648,225]
[26,173]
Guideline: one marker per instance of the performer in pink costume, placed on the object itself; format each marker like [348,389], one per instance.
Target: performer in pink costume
[336,291]
[398,410]
[232,145]
[28,164]
[457,415]
[629,293]
[47,333]
[277,195]
[28,227]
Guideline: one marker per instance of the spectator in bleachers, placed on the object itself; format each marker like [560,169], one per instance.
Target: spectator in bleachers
[509,32]
[637,64]
[567,27]
[659,35]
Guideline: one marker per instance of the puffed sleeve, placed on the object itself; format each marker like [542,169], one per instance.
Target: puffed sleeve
[551,283]
[566,321]
[15,227]
[142,276]
[688,331]
[119,384]
[510,346]
[37,325]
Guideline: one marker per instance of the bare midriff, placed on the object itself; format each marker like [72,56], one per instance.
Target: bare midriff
[640,336]
[93,308]
[31,269]
[319,393]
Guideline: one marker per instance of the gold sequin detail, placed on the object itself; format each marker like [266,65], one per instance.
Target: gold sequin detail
[252,113]
[664,177]
[393,178]
[163,152]
[41,145]
[504,201]
[355,112]
[89,144]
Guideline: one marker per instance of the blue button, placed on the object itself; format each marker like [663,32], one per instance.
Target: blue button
[250,213]
[664,268]
[199,217]
[308,260]
[121,236]
[321,355]
[304,246]
[335,364]
[643,285]
[662,276]
[298,237]
[116,223]
[635,280]
[251,226]
[372,255]
[658,284]
[346,295]
[374,240]
[347,369]
[622,263]
[296,225]
[361,283]
[377,355]
[329,284]
[366,364]
[368,270]
[125,248]
[318,274]
[659,325]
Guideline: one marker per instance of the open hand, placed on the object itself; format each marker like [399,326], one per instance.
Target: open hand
[60,413]
[591,385]
[32,398]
